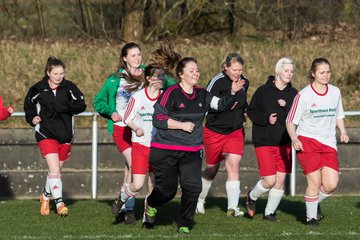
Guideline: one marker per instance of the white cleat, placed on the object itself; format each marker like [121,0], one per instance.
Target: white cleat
[200,208]
[234,212]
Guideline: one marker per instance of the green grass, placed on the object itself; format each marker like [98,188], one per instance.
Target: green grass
[92,219]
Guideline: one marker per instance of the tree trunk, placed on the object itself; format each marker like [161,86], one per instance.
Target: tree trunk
[41,17]
[132,25]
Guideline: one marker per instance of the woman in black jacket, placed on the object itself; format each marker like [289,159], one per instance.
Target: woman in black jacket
[268,109]
[50,106]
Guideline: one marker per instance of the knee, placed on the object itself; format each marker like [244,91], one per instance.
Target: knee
[191,190]
[136,186]
[329,187]
[209,173]
[268,182]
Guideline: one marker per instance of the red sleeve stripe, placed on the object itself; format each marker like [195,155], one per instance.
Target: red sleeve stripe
[292,112]
[166,94]
[129,108]
[162,117]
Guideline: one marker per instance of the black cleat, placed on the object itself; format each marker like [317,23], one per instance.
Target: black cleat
[116,206]
[129,217]
[312,222]
[319,215]
[271,217]
[250,206]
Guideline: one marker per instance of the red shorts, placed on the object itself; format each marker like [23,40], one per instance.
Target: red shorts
[48,146]
[122,138]
[216,144]
[140,159]
[316,156]
[272,159]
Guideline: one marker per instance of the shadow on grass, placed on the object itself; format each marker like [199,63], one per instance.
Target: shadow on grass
[292,207]
[167,214]
[358,205]
[68,202]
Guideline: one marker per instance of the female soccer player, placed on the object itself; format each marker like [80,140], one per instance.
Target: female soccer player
[176,147]
[138,116]
[316,111]
[224,134]
[267,110]
[111,102]
[50,106]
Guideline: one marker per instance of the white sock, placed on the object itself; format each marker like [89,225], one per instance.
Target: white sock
[311,207]
[55,184]
[258,191]
[127,193]
[274,199]
[47,190]
[206,185]
[233,193]
[323,196]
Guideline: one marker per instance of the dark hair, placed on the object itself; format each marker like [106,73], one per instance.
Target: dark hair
[124,52]
[315,64]
[166,58]
[181,65]
[233,57]
[149,72]
[135,82]
[51,63]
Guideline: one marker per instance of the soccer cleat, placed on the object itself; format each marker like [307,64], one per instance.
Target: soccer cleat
[149,217]
[62,210]
[312,222]
[234,212]
[120,217]
[129,217]
[45,206]
[319,215]
[271,217]
[184,230]
[250,206]
[200,207]
[116,206]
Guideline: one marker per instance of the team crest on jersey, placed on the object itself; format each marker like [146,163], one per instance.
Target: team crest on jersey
[142,108]
[200,104]
[182,105]
[313,105]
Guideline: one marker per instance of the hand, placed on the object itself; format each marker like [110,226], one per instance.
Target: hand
[344,138]
[156,83]
[272,118]
[36,120]
[297,145]
[139,132]
[236,86]
[116,117]
[281,102]
[188,127]
[10,110]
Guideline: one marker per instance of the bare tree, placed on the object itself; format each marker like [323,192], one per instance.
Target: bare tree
[132,21]
[41,17]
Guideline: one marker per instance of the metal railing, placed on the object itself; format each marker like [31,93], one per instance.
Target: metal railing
[94,151]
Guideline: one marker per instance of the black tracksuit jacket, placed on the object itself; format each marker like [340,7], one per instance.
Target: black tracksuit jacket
[55,110]
[230,120]
[265,102]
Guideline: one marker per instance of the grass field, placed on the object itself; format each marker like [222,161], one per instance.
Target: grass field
[92,219]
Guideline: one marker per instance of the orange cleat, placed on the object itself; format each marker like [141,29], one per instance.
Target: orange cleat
[45,206]
[62,210]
